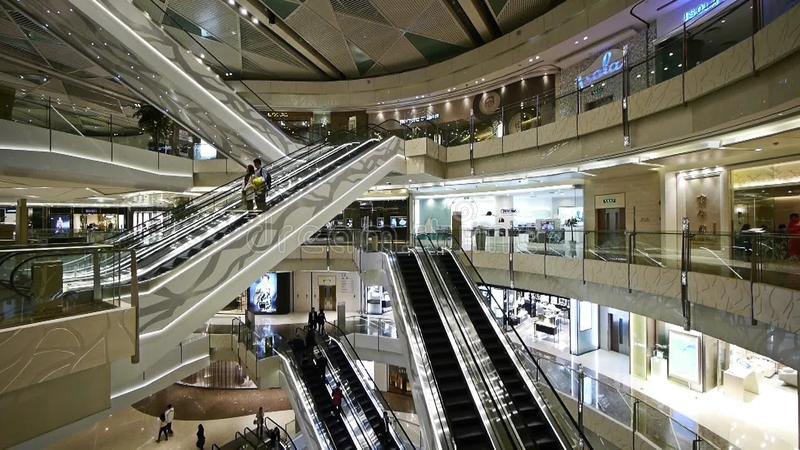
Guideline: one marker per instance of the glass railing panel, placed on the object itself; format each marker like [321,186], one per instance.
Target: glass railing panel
[719,33]
[30,112]
[772,9]
[661,430]
[497,240]
[610,246]
[724,255]
[779,257]
[35,282]
[566,105]
[656,249]
[601,92]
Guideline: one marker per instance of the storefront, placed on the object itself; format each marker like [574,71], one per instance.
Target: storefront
[327,290]
[540,317]
[388,216]
[485,221]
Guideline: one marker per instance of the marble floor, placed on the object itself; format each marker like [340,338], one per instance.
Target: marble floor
[130,429]
[768,420]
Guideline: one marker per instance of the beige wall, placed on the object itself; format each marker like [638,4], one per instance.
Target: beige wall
[641,191]
[43,407]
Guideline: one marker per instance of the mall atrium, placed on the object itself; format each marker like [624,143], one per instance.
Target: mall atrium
[400,224]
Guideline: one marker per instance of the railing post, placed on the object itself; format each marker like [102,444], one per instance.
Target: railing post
[328,251]
[471,144]
[49,123]
[544,258]
[511,256]
[97,292]
[583,258]
[134,291]
[634,422]
[686,249]
[111,134]
[581,379]
[626,126]
[755,273]
[631,239]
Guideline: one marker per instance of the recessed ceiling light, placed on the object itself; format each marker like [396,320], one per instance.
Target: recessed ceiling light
[483,79]
[759,149]
[231,2]
[243,11]
[585,38]
[537,56]
[577,42]
[530,59]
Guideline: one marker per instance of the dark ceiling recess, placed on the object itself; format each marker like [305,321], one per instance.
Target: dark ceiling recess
[469,27]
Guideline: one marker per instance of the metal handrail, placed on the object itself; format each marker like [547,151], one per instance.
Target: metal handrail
[481,369]
[358,360]
[527,350]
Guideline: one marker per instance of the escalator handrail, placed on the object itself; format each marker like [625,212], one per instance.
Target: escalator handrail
[233,190]
[475,358]
[525,346]
[353,408]
[358,360]
[287,353]
[400,285]
[283,431]
[310,148]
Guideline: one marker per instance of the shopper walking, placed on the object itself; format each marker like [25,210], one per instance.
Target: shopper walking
[247,187]
[259,422]
[201,437]
[321,321]
[162,427]
[275,437]
[262,182]
[312,319]
[170,416]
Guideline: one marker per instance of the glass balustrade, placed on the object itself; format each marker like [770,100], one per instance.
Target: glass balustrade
[36,283]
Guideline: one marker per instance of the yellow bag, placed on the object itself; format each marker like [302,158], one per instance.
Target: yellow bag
[259,184]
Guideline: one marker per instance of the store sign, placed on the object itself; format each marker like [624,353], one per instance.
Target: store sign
[606,65]
[700,9]
[291,116]
[508,211]
[327,280]
[609,201]
[429,117]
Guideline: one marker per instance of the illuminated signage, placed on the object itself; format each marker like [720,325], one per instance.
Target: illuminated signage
[605,66]
[700,9]
[429,117]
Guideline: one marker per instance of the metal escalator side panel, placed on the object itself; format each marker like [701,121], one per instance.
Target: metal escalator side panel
[511,352]
[486,379]
[470,369]
[139,54]
[292,382]
[370,404]
[174,304]
[427,399]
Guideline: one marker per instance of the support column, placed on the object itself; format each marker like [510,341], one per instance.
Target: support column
[21,228]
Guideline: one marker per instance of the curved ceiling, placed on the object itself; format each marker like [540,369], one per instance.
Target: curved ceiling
[338,39]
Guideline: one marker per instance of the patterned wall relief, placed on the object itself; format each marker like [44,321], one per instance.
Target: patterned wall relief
[43,351]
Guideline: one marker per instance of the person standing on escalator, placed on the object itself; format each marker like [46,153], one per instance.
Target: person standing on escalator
[262,182]
[247,186]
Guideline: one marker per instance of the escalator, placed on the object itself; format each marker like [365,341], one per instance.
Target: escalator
[323,404]
[353,385]
[532,425]
[463,418]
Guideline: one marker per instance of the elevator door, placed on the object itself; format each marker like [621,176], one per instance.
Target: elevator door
[327,298]
[610,227]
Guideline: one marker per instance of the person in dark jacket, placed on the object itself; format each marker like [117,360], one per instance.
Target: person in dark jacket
[321,321]
[201,437]
[312,319]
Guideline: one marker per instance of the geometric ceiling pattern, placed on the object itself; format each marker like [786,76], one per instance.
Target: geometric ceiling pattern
[372,37]
[511,14]
[232,42]
[38,67]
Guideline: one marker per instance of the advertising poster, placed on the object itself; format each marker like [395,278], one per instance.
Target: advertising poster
[263,298]
[684,356]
